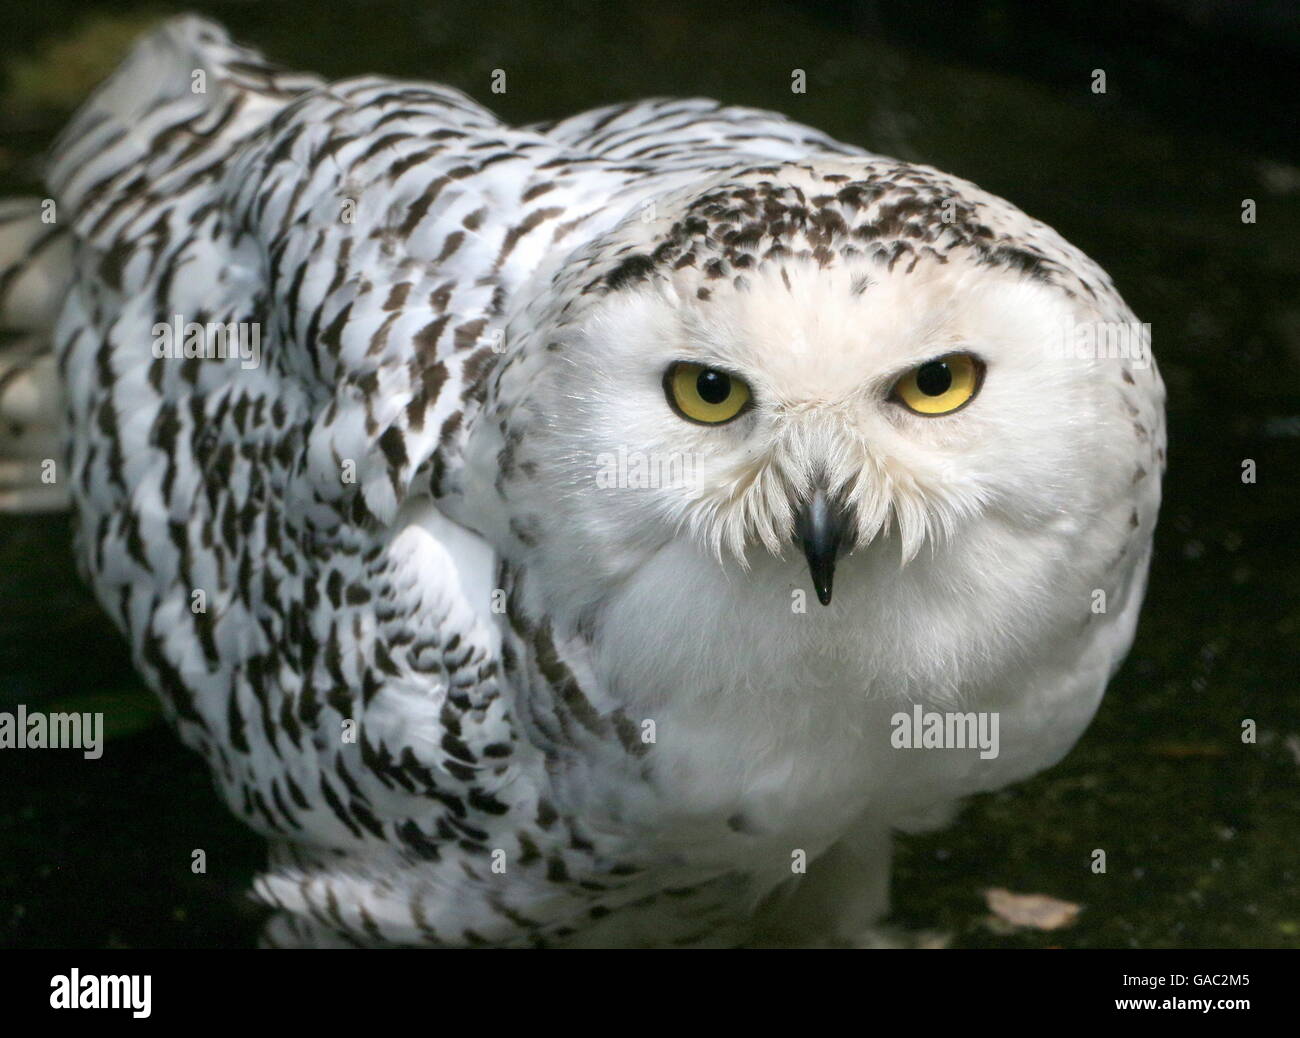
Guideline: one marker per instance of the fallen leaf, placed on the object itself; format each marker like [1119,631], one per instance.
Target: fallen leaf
[1036,911]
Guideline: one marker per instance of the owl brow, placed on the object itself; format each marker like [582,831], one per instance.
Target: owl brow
[898,373]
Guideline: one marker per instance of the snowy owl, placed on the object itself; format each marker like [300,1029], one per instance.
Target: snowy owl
[549,534]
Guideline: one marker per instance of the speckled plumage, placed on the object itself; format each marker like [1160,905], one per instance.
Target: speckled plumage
[421,274]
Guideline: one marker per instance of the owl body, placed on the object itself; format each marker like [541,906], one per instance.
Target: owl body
[391,574]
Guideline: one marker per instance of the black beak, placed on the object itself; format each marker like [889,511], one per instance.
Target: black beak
[818,529]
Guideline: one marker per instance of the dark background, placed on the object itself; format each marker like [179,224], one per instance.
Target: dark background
[1201,832]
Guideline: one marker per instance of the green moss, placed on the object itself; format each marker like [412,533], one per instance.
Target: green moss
[64,70]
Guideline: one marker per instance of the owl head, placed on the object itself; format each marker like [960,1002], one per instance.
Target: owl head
[812,364]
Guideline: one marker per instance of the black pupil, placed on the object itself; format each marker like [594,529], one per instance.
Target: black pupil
[713,386]
[934,379]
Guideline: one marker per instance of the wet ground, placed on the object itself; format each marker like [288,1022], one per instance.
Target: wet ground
[1201,832]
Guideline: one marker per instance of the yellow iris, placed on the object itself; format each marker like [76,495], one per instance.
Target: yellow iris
[940,386]
[705,395]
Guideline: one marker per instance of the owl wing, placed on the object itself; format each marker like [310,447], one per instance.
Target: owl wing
[236,515]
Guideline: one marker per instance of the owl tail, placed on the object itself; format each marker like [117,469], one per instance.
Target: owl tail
[34,271]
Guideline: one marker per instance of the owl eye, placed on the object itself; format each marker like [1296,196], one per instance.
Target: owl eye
[704,395]
[940,386]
